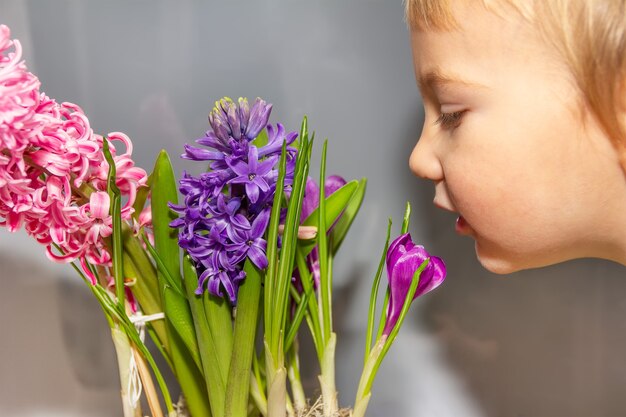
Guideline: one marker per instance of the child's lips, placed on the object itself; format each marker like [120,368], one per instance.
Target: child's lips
[462,227]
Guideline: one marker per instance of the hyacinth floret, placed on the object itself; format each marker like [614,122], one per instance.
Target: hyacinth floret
[226,211]
[53,172]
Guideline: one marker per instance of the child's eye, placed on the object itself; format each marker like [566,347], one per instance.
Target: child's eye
[450,120]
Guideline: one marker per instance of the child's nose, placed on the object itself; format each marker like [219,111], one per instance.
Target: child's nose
[424,162]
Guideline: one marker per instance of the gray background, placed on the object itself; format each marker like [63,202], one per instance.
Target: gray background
[545,343]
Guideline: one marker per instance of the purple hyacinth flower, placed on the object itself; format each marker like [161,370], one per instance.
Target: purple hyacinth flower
[404,258]
[225,211]
[252,173]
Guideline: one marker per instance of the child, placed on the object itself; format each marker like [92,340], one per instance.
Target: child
[524,125]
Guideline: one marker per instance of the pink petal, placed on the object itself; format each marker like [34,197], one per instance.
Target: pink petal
[99,203]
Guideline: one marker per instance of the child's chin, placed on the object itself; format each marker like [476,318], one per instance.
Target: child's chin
[498,263]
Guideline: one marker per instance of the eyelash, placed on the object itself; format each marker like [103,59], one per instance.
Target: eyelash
[450,120]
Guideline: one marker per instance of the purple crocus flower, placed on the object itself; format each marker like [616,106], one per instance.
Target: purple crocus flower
[404,258]
[225,211]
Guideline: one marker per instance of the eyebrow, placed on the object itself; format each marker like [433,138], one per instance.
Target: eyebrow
[436,78]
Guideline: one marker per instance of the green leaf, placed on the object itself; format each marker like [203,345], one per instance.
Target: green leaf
[301,310]
[165,237]
[178,313]
[374,296]
[345,221]
[325,284]
[220,319]
[238,385]
[210,360]
[150,301]
[289,245]
[313,318]
[272,248]
[188,374]
[335,204]
[407,218]
[176,285]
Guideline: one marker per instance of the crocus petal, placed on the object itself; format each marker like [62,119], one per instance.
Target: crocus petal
[311,199]
[333,183]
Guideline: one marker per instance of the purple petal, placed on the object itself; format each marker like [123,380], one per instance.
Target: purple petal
[261,183]
[212,141]
[244,113]
[228,286]
[233,121]
[257,256]
[253,159]
[260,224]
[311,199]
[259,115]
[332,184]
[252,191]
[403,258]
[197,154]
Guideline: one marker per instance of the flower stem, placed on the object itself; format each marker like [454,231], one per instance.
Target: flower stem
[327,378]
[148,385]
[293,372]
[123,352]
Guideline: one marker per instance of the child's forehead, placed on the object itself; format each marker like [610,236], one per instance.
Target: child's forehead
[441,15]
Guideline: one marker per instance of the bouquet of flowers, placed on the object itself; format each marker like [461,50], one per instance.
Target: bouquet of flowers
[223,279]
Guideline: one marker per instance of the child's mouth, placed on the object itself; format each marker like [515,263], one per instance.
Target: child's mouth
[462,227]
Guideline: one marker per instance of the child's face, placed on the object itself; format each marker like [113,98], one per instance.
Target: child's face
[510,153]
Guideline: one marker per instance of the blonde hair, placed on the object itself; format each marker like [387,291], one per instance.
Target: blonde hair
[590,35]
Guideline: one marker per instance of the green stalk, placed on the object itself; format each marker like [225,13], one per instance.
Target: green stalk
[374,296]
[238,385]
